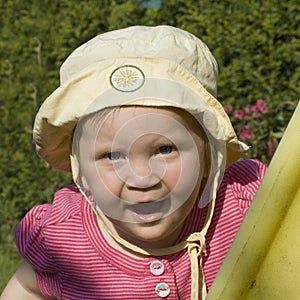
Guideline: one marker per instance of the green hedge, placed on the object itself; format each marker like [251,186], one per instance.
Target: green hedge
[255,42]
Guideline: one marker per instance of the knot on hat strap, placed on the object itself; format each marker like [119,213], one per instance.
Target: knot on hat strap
[195,246]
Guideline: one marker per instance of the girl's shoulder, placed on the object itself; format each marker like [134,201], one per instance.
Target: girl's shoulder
[241,182]
[66,203]
[31,233]
[245,172]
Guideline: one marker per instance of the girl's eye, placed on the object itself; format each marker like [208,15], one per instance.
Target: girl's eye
[115,155]
[165,149]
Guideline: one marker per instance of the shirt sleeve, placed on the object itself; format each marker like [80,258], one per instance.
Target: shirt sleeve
[30,243]
[245,177]
[29,238]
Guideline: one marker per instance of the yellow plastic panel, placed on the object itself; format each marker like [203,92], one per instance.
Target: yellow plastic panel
[264,260]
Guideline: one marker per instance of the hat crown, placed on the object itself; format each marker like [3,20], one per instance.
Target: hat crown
[163,41]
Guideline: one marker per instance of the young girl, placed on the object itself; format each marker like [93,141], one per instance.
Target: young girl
[158,194]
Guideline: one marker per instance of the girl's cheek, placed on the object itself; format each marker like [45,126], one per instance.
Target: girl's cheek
[110,181]
[172,176]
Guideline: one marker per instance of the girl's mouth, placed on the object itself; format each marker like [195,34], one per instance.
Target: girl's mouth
[148,218]
[151,211]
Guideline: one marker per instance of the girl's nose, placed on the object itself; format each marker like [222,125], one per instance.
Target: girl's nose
[142,182]
[143,173]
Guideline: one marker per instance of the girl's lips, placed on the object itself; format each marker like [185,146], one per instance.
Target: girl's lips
[150,211]
[148,218]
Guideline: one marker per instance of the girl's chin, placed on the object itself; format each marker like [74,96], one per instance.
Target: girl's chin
[150,235]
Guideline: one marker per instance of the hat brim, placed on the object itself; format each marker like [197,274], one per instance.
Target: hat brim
[164,83]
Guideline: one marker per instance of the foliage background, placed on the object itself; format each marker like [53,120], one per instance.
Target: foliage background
[255,42]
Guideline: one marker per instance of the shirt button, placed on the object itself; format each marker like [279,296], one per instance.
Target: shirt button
[157,268]
[162,290]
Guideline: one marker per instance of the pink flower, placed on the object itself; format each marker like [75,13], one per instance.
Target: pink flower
[228,109]
[9,221]
[247,133]
[247,109]
[260,106]
[256,114]
[239,114]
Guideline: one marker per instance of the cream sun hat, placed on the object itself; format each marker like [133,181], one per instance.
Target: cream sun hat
[150,66]
[164,63]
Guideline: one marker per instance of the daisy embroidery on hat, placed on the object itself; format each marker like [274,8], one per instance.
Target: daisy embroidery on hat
[127,78]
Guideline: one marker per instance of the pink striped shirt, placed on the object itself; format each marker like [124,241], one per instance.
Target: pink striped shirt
[72,259]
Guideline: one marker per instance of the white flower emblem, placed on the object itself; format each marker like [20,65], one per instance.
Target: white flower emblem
[127,78]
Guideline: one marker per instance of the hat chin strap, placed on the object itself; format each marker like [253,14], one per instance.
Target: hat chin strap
[194,243]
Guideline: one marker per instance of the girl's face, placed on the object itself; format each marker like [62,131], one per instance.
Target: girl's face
[144,167]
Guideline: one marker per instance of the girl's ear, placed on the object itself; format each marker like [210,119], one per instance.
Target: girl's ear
[78,178]
[83,183]
[207,158]
[203,184]
[206,170]
[74,167]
